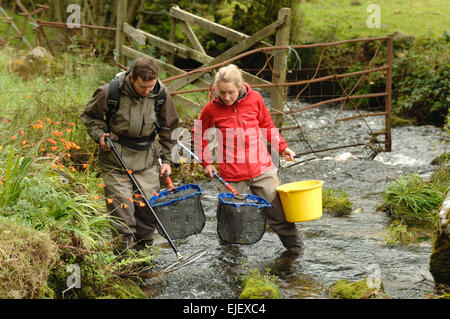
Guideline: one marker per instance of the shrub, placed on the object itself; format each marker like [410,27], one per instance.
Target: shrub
[411,199]
[398,233]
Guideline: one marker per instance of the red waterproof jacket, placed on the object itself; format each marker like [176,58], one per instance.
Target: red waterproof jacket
[242,130]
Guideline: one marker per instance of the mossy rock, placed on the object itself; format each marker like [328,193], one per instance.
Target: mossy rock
[440,255]
[440,263]
[399,122]
[27,255]
[37,62]
[260,286]
[94,285]
[336,202]
[441,159]
[344,289]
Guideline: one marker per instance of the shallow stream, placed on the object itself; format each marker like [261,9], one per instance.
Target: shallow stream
[346,247]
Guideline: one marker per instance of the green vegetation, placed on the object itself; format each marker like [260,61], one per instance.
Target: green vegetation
[421,78]
[259,286]
[345,19]
[412,200]
[26,258]
[344,289]
[336,201]
[52,206]
[421,70]
[397,233]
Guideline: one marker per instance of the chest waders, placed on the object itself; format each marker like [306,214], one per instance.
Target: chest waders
[182,261]
[113,103]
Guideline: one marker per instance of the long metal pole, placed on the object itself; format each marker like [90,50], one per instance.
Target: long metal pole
[389,62]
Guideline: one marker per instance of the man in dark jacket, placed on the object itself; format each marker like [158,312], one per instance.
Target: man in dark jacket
[133,127]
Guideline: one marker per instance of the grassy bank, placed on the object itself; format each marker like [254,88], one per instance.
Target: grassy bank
[345,19]
[421,69]
[50,190]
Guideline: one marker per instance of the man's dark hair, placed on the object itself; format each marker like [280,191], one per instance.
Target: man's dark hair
[146,68]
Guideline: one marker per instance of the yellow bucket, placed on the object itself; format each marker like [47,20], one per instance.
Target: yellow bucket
[302,201]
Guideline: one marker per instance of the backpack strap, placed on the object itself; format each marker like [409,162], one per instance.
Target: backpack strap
[160,99]
[113,100]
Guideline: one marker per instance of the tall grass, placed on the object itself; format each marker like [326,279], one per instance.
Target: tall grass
[61,98]
[13,176]
[410,198]
[340,19]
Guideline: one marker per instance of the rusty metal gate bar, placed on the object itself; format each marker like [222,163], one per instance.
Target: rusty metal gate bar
[387,94]
[260,84]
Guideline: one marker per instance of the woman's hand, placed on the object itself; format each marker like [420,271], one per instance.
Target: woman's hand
[288,154]
[209,170]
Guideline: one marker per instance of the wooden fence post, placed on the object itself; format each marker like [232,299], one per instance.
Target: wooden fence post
[279,65]
[120,35]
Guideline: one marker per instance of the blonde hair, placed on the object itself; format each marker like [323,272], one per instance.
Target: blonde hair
[230,73]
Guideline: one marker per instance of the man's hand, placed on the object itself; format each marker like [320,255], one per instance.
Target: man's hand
[288,154]
[209,169]
[165,167]
[103,144]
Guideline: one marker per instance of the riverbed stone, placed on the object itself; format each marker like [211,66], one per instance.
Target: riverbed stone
[361,289]
[440,255]
[260,286]
[36,62]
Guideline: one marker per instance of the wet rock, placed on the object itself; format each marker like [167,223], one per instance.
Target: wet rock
[37,62]
[441,159]
[336,202]
[440,255]
[258,286]
[344,289]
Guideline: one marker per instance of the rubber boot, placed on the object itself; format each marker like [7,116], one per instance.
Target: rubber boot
[294,244]
[143,244]
[126,242]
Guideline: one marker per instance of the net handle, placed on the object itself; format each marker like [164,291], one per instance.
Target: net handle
[166,175]
[225,183]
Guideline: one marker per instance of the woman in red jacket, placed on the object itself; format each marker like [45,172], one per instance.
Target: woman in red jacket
[242,124]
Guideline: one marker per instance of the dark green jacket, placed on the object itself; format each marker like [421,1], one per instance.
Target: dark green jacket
[135,118]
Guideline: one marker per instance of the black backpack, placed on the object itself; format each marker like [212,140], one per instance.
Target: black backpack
[113,103]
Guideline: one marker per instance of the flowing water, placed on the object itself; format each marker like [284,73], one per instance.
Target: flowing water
[337,247]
